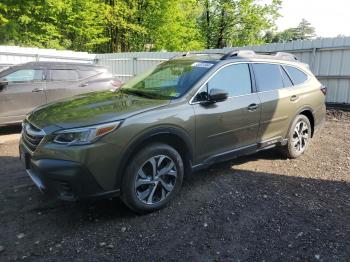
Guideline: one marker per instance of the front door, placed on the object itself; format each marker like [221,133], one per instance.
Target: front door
[21,91]
[231,124]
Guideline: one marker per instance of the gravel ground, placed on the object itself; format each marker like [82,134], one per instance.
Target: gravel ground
[261,207]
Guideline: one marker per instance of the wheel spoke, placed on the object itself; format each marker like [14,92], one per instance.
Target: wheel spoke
[150,197]
[141,173]
[160,161]
[154,166]
[166,186]
[141,182]
[301,126]
[166,169]
[144,194]
[163,194]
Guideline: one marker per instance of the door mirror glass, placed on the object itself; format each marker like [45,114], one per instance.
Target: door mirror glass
[217,95]
[3,84]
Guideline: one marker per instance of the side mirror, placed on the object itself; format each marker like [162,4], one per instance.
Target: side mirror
[217,95]
[3,83]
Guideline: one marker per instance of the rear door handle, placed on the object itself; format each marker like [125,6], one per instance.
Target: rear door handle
[294,98]
[84,84]
[39,89]
[252,107]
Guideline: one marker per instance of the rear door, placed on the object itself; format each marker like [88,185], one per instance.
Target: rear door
[231,124]
[62,82]
[25,90]
[69,81]
[278,101]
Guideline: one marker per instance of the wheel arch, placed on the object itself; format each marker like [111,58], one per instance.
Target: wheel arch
[174,137]
[309,113]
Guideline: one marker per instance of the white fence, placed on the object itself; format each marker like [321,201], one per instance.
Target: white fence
[329,59]
[18,55]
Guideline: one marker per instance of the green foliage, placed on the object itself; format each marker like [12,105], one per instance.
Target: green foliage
[302,32]
[135,25]
[236,22]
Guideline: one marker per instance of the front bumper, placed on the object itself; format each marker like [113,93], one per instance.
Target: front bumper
[62,179]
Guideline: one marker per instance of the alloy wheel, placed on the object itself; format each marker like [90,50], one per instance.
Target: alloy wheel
[155,179]
[300,136]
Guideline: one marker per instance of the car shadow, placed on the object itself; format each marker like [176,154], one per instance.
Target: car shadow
[9,130]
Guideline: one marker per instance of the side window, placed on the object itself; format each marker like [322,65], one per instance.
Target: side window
[268,77]
[286,80]
[25,75]
[298,77]
[234,79]
[64,75]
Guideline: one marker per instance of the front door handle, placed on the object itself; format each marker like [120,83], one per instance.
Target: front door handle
[252,107]
[39,89]
[294,98]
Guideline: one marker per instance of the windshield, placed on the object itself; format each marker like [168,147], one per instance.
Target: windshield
[168,80]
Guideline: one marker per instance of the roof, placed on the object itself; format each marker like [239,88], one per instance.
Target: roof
[57,63]
[239,55]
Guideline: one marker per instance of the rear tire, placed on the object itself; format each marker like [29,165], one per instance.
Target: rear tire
[152,178]
[299,137]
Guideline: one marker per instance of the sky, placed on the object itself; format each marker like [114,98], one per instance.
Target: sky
[330,18]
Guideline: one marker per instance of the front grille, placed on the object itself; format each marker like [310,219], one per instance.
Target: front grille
[31,135]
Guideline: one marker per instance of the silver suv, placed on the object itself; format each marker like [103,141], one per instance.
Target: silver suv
[26,86]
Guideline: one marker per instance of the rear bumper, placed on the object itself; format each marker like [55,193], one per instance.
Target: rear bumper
[320,120]
[65,180]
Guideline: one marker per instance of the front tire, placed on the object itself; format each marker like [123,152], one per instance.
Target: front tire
[299,137]
[152,178]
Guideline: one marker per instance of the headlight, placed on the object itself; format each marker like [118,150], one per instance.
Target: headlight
[84,135]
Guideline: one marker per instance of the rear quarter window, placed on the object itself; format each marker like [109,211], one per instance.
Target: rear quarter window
[298,77]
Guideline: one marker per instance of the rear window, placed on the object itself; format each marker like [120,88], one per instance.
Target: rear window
[64,75]
[298,77]
[268,77]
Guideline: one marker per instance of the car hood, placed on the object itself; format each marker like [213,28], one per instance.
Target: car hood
[90,109]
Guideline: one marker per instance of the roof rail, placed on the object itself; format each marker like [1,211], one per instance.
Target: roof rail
[239,54]
[286,56]
[196,53]
[252,54]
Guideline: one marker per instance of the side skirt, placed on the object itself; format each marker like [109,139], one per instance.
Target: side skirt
[247,150]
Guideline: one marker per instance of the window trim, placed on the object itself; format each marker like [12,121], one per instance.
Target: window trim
[253,87]
[283,70]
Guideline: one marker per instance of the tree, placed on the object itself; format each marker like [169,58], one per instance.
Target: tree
[61,24]
[302,32]
[236,22]
[135,25]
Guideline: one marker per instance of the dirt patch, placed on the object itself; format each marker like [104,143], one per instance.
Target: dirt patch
[261,207]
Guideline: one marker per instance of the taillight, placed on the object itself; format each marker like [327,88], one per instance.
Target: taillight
[117,83]
[324,89]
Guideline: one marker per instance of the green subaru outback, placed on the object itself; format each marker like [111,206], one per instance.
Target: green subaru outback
[139,141]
